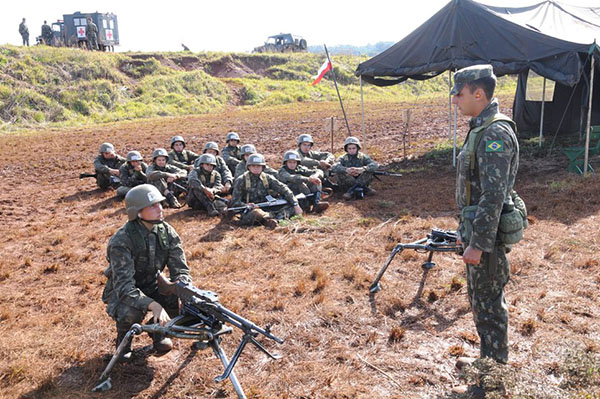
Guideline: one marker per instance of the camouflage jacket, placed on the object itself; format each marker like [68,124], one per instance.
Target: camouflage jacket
[241,168]
[23,30]
[222,168]
[136,255]
[298,175]
[92,29]
[46,30]
[156,173]
[182,159]
[311,159]
[131,177]
[200,179]
[493,176]
[102,165]
[250,188]
[356,161]
[231,155]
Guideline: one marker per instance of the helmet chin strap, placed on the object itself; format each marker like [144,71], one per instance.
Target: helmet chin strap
[150,221]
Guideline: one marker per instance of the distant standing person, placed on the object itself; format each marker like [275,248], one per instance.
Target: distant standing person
[47,34]
[91,34]
[24,31]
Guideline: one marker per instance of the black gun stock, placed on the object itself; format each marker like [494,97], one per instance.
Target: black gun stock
[86,175]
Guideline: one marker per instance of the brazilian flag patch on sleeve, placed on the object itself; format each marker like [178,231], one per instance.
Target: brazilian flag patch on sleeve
[494,146]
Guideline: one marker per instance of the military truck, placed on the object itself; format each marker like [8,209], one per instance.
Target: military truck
[71,31]
[282,43]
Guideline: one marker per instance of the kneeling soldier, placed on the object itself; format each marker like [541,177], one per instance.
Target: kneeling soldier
[241,168]
[253,187]
[161,175]
[107,166]
[221,167]
[302,180]
[132,173]
[232,151]
[203,184]
[179,156]
[137,253]
[354,170]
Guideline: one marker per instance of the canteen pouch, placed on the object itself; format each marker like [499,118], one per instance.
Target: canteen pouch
[520,206]
[465,228]
[510,228]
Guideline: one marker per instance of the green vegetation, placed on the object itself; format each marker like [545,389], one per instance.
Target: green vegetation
[43,86]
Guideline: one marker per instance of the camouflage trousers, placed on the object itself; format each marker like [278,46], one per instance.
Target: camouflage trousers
[196,199]
[126,315]
[485,287]
[345,182]
[105,180]
[256,216]
[122,191]
[305,188]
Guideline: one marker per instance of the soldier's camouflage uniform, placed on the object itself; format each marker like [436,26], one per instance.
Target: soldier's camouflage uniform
[221,168]
[311,159]
[136,255]
[241,168]
[131,178]
[297,181]
[102,166]
[497,161]
[359,160]
[47,34]
[232,157]
[260,185]
[91,34]
[199,179]
[157,176]
[24,31]
[182,159]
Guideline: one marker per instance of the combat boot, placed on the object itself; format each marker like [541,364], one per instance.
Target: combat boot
[370,192]
[270,223]
[126,354]
[172,201]
[348,195]
[320,207]
[161,344]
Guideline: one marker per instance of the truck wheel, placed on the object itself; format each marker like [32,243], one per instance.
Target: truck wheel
[303,44]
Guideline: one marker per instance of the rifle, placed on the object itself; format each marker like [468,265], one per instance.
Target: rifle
[84,175]
[271,202]
[436,241]
[386,173]
[204,320]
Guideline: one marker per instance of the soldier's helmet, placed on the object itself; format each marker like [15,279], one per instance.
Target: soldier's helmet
[134,156]
[305,138]
[248,149]
[211,145]
[106,147]
[256,159]
[139,198]
[291,156]
[159,152]
[175,139]
[351,140]
[207,158]
[232,136]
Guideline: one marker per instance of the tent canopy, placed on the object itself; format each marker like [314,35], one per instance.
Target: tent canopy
[513,40]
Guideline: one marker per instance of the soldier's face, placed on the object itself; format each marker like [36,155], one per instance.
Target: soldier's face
[152,212]
[352,149]
[291,164]
[467,101]
[160,161]
[255,169]
[178,146]
[208,167]
[108,155]
[246,156]
[305,147]
[135,164]
[233,143]
[212,152]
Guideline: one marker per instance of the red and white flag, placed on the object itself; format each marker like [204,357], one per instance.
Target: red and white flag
[324,68]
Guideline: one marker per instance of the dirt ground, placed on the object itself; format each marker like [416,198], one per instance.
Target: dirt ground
[309,279]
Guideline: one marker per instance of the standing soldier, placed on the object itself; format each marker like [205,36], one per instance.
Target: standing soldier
[161,175]
[179,156]
[107,166]
[226,177]
[47,34]
[486,171]
[132,173]
[204,183]
[91,34]
[302,180]
[232,151]
[354,170]
[24,31]
[253,187]
[241,168]
[137,253]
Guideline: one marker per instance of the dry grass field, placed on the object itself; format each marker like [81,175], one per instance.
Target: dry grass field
[308,278]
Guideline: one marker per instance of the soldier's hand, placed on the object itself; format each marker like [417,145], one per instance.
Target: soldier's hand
[209,193]
[226,188]
[252,205]
[324,164]
[298,210]
[138,168]
[114,172]
[170,178]
[159,314]
[190,168]
[314,180]
[472,256]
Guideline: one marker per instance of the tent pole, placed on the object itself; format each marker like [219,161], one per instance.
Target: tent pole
[454,144]
[449,105]
[362,109]
[542,117]
[589,117]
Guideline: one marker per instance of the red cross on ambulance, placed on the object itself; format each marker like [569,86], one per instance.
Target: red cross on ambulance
[109,34]
[81,32]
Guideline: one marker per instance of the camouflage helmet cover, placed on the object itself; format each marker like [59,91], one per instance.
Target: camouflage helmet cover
[159,152]
[467,75]
[256,159]
[291,156]
[106,147]
[351,140]
[232,136]
[207,158]
[175,139]
[248,149]
[305,138]
[211,145]
[141,197]
[134,156]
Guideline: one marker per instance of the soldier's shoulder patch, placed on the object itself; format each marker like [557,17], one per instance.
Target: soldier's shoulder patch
[494,146]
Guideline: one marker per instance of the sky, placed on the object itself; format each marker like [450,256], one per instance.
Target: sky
[236,25]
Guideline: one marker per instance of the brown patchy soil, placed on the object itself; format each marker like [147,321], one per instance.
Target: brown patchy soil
[309,279]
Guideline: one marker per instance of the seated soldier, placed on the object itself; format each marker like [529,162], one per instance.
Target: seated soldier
[107,166]
[313,159]
[204,183]
[136,253]
[179,156]
[253,187]
[246,151]
[132,173]
[354,171]
[231,152]
[302,180]
[162,176]
[226,177]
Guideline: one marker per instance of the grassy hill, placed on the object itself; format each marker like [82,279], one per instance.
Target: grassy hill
[42,86]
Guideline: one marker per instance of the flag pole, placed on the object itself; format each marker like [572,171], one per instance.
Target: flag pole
[337,90]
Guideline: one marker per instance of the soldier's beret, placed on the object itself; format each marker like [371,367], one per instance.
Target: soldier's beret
[469,74]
